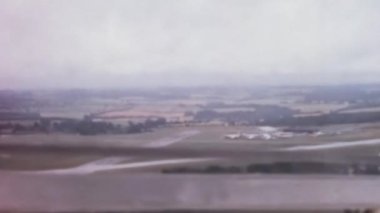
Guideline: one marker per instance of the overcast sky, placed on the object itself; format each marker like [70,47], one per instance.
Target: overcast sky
[111,43]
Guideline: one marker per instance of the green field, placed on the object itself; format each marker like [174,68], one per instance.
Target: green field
[209,138]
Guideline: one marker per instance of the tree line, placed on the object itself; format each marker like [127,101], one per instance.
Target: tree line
[84,126]
[282,168]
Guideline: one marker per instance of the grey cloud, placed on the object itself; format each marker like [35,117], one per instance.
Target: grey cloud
[95,43]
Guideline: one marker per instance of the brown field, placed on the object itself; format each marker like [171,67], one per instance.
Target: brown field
[42,161]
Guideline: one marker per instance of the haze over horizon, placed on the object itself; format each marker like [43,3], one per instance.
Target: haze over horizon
[142,43]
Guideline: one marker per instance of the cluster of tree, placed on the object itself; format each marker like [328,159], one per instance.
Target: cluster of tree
[19,116]
[40,126]
[212,169]
[83,127]
[88,127]
[283,168]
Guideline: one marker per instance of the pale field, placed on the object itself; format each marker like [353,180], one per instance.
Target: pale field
[315,108]
[77,110]
[296,104]
[22,122]
[271,101]
[74,112]
[367,109]
[135,109]
[145,112]
[234,109]
[170,112]
[193,101]
[64,114]
[207,97]
[308,114]
[120,121]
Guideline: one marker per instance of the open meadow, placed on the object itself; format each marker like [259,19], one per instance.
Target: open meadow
[193,139]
